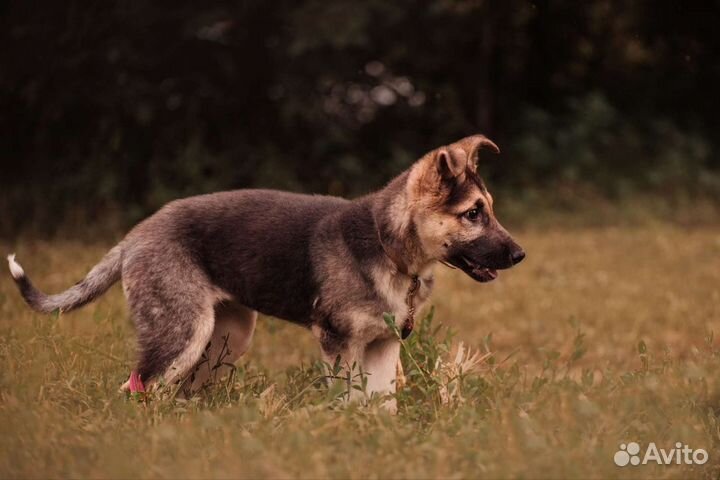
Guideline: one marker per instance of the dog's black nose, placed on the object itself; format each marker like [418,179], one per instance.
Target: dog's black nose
[517,256]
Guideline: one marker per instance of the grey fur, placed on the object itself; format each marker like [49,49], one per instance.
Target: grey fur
[203,266]
[100,278]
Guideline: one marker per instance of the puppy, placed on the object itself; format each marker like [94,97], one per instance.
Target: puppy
[196,273]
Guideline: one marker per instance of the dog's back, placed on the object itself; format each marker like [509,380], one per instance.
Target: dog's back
[253,244]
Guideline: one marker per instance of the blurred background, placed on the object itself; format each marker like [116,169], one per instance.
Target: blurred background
[110,109]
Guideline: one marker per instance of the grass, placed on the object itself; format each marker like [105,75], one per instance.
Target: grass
[603,335]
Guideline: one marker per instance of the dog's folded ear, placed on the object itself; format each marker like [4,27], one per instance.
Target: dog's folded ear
[472,145]
[451,162]
[454,159]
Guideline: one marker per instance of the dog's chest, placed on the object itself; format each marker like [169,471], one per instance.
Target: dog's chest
[400,296]
[358,312]
[396,295]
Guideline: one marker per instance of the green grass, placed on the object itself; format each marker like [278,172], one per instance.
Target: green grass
[603,336]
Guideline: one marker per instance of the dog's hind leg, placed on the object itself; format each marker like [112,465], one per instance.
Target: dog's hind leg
[171,350]
[172,304]
[231,338]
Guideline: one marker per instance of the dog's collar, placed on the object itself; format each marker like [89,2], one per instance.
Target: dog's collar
[415,283]
[410,302]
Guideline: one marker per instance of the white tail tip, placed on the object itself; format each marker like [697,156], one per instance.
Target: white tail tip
[15,269]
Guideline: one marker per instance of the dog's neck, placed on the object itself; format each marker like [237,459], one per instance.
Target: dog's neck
[396,229]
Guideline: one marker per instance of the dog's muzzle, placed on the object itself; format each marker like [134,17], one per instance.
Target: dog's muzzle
[484,267]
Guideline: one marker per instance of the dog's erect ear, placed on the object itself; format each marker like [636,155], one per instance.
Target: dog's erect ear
[472,145]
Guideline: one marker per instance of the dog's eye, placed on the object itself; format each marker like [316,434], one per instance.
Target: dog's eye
[472,214]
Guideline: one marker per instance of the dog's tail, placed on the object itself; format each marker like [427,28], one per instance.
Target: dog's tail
[100,278]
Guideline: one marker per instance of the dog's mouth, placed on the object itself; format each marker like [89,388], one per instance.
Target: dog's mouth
[473,269]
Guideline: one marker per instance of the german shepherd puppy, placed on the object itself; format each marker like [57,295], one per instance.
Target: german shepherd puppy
[196,273]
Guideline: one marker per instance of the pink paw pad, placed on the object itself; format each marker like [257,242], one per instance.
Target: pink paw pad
[136,384]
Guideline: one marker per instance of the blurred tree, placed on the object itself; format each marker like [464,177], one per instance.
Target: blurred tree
[129,103]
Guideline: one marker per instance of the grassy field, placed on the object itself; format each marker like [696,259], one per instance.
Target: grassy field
[602,336]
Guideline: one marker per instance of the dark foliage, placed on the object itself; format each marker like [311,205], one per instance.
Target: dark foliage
[131,103]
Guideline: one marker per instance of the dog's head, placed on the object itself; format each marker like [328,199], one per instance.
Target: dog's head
[453,212]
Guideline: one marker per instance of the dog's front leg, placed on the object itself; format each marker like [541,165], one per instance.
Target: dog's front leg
[376,362]
[338,349]
[380,360]
[345,368]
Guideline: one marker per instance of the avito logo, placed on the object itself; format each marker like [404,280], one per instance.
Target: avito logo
[629,454]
